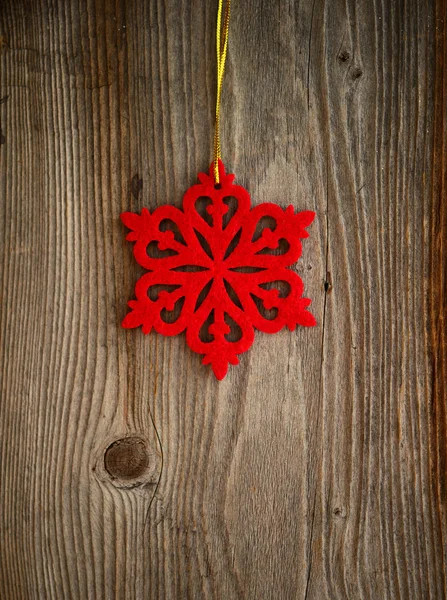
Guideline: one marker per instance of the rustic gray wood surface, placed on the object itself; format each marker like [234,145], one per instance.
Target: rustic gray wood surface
[317,468]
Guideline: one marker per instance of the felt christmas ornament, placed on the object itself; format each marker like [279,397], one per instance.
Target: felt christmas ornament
[218,270]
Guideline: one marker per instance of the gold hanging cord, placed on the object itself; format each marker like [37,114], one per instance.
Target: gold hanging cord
[221,49]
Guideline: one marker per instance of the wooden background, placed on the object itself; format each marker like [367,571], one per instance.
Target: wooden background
[317,468]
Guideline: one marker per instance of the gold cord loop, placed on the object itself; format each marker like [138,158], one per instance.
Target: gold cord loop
[221,50]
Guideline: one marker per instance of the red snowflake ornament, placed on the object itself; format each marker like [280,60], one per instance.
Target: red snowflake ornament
[208,259]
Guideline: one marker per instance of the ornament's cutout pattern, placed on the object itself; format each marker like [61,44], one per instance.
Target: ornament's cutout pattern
[216,277]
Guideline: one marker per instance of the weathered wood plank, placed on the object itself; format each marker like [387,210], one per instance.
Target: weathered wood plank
[316,469]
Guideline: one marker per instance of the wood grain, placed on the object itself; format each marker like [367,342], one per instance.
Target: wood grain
[317,468]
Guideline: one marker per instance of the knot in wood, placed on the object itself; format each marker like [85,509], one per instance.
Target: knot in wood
[127,459]
[344,56]
[339,512]
[356,73]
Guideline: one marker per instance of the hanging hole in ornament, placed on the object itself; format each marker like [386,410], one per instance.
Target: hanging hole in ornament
[217,186]
[232,245]
[232,294]
[204,334]
[265,222]
[203,242]
[171,316]
[153,291]
[168,225]
[153,251]
[232,204]
[201,205]
[282,248]
[203,294]
[283,287]
[269,314]
[235,333]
